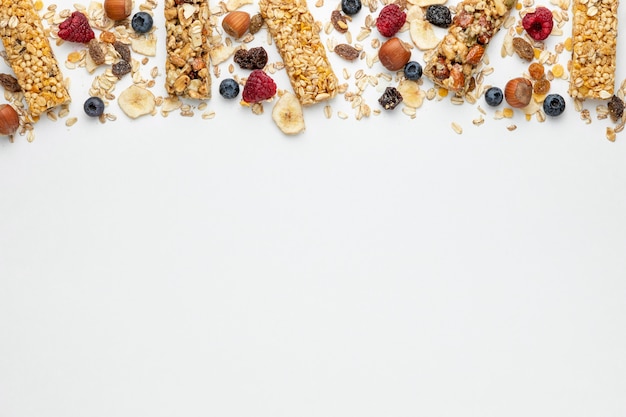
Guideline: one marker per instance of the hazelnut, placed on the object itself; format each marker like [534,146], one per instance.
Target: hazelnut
[236,23]
[518,92]
[9,120]
[394,54]
[118,9]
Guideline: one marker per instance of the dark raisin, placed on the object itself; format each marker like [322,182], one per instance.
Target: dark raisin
[123,50]
[616,108]
[346,51]
[439,15]
[254,58]
[96,52]
[10,83]
[120,68]
[390,98]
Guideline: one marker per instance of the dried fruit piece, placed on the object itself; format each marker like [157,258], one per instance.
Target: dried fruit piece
[76,28]
[121,68]
[259,86]
[541,86]
[123,50]
[390,98]
[536,71]
[347,51]
[616,108]
[523,48]
[10,83]
[390,20]
[538,24]
[96,52]
[256,23]
[253,58]
[412,94]
[422,34]
[136,101]
[288,115]
[339,21]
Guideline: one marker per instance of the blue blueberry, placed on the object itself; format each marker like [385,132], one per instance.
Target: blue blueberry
[554,105]
[141,22]
[94,106]
[229,88]
[412,71]
[350,7]
[494,96]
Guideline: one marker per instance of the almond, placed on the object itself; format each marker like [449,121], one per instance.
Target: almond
[475,54]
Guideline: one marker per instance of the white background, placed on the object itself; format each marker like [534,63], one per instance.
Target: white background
[187,267]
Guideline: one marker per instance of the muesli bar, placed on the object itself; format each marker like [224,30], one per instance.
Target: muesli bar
[594,43]
[457,57]
[296,35]
[187,65]
[30,56]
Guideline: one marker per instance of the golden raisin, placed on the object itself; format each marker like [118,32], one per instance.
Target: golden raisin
[536,71]
[106,36]
[541,86]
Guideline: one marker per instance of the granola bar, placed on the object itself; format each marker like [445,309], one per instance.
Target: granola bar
[29,53]
[296,35]
[594,35]
[187,60]
[457,58]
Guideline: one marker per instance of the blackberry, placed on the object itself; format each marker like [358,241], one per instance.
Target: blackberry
[413,71]
[390,98]
[439,15]
[554,105]
[494,96]
[229,88]
[350,7]
[94,106]
[141,22]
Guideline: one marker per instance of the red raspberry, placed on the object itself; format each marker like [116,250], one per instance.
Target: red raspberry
[538,24]
[258,87]
[76,28]
[390,20]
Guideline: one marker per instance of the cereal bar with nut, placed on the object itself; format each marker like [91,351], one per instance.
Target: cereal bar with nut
[296,35]
[594,44]
[30,56]
[187,63]
[457,57]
